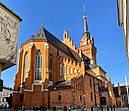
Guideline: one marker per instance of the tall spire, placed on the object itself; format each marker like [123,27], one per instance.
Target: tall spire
[86,33]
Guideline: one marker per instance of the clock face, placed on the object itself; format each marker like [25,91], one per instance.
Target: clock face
[9,28]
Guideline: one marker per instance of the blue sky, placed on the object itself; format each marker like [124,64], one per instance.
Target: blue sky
[59,15]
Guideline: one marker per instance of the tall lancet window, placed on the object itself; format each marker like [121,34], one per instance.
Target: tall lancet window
[25,65]
[61,69]
[50,67]
[38,67]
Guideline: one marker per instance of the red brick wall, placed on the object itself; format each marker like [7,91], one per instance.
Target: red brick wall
[36,98]
[108,98]
[27,98]
[16,100]
[91,89]
[66,97]
[78,101]
[88,90]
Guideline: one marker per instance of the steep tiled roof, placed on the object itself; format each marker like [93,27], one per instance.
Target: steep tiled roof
[60,84]
[78,58]
[43,34]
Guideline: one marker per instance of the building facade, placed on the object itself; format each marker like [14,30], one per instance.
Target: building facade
[121,95]
[6,93]
[9,30]
[52,72]
[123,19]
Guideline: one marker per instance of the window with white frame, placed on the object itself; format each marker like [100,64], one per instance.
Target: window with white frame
[38,66]
[74,71]
[61,69]
[78,71]
[71,70]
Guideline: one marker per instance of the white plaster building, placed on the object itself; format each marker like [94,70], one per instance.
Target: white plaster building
[3,95]
[123,19]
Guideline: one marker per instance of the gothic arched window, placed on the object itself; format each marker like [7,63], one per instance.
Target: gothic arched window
[38,66]
[61,69]
[67,69]
[50,67]
[71,70]
[74,70]
[25,65]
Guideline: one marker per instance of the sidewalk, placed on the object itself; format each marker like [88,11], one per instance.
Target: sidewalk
[88,109]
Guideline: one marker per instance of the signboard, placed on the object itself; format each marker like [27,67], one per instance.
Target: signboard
[1,85]
[9,30]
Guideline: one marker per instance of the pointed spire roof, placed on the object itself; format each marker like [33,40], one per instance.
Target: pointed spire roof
[86,32]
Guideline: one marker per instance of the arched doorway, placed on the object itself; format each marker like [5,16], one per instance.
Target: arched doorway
[103,100]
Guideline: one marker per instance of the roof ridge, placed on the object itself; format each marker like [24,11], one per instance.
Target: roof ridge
[3,5]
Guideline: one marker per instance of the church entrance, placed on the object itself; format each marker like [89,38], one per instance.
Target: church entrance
[103,100]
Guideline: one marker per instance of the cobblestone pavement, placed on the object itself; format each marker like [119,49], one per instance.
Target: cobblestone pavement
[116,109]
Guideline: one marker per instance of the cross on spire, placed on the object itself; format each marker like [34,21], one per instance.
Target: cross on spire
[84,10]
[42,23]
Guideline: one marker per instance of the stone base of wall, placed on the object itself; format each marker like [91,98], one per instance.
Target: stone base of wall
[35,97]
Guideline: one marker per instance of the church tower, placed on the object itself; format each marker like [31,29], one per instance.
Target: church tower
[87,42]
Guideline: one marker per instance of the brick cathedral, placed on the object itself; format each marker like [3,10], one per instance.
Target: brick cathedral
[53,72]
